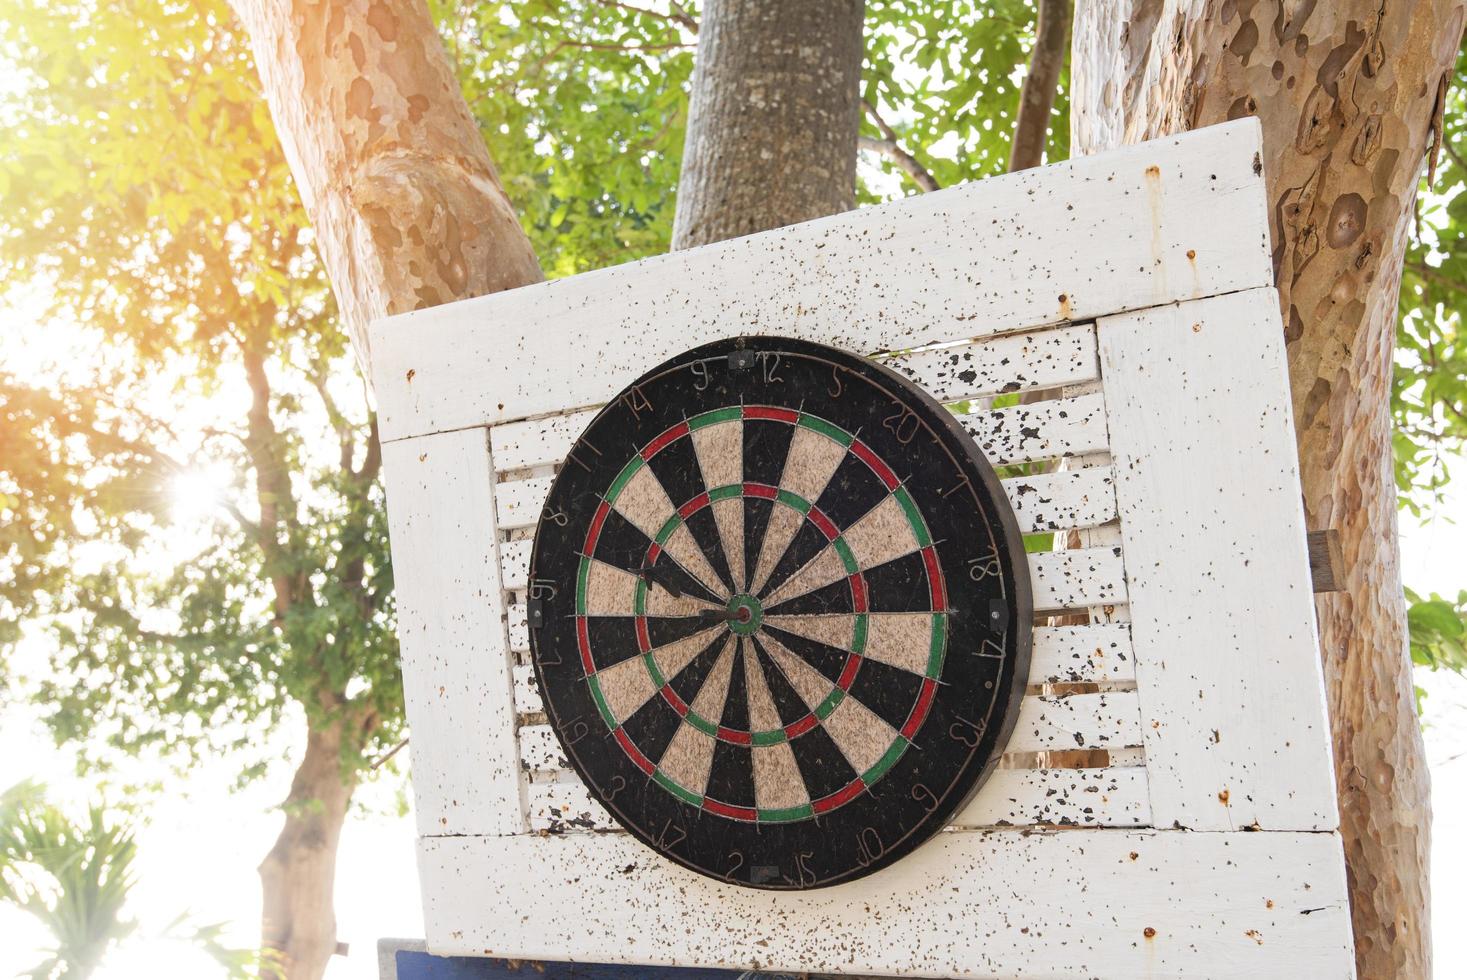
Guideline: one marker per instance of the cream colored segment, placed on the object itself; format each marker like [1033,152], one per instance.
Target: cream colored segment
[644,503]
[672,658]
[728,515]
[660,602]
[778,533]
[610,591]
[901,640]
[625,687]
[683,548]
[708,702]
[834,630]
[763,715]
[778,782]
[811,463]
[809,683]
[720,452]
[883,534]
[688,758]
[821,570]
[862,736]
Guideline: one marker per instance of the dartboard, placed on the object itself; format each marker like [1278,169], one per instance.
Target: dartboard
[779,612]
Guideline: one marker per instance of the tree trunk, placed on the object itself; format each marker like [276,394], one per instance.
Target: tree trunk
[1036,98]
[1348,94]
[774,117]
[298,924]
[408,212]
[407,207]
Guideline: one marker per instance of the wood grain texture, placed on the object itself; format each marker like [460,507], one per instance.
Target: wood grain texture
[405,203]
[1077,240]
[455,658]
[1106,904]
[1222,612]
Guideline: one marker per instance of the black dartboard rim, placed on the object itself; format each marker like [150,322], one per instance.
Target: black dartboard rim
[982,651]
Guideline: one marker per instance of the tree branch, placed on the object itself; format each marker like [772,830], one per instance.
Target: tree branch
[1036,99]
[678,15]
[890,147]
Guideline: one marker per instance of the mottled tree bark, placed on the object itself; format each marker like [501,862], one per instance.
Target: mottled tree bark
[297,877]
[1036,98]
[408,212]
[1347,93]
[774,117]
[406,204]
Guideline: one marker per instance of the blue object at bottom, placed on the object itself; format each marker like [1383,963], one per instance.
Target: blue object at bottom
[413,965]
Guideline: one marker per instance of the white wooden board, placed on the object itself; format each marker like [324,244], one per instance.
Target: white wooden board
[455,659]
[1169,220]
[1102,904]
[1227,660]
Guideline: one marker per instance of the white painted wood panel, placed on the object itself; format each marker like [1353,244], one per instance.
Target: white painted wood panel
[1104,904]
[1061,797]
[1003,365]
[1081,577]
[1060,579]
[1154,223]
[1071,654]
[1077,721]
[1044,430]
[1222,610]
[1108,797]
[1062,501]
[456,663]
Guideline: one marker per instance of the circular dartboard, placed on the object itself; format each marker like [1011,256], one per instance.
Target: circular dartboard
[779,612]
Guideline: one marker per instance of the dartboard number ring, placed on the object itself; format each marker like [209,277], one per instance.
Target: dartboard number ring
[781,613]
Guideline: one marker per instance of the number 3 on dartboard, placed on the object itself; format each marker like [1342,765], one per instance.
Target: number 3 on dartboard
[904,425]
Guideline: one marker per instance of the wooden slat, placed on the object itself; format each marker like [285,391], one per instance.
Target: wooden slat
[1079,721]
[456,666]
[537,442]
[1063,501]
[1117,905]
[518,626]
[1044,430]
[1082,577]
[1071,654]
[526,690]
[540,750]
[1003,365]
[1145,225]
[1064,797]
[516,558]
[1060,579]
[1227,660]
